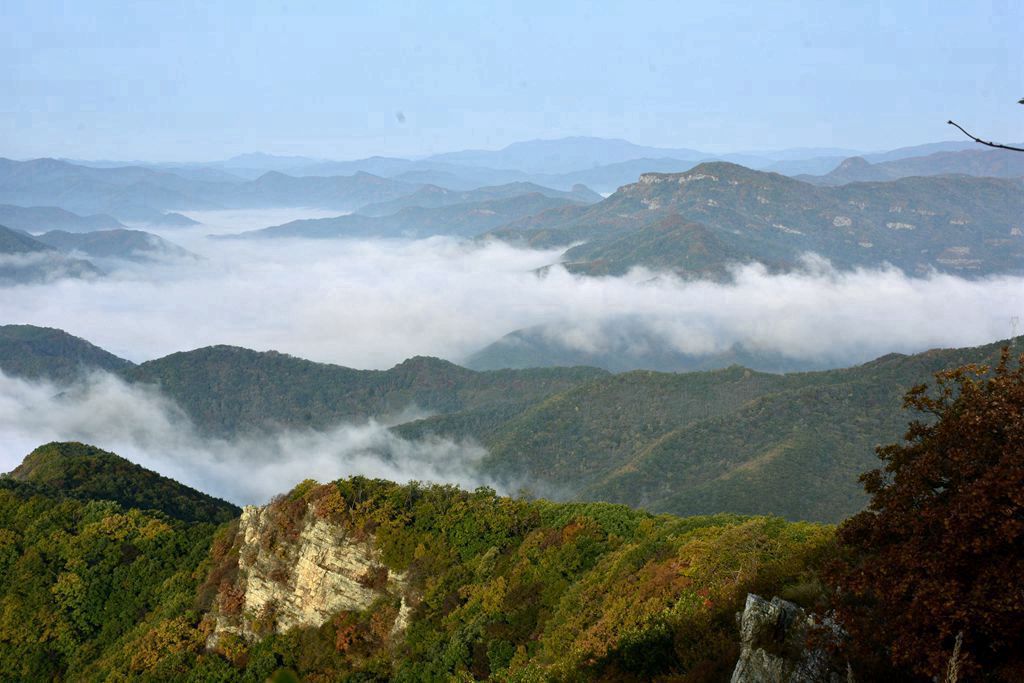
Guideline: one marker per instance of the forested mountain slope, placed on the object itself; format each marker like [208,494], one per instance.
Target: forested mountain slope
[689,443]
[85,472]
[228,390]
[454,585]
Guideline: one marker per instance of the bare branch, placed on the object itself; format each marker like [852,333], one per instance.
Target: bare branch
[984,142]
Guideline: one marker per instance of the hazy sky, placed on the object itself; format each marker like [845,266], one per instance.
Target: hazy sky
[201,80]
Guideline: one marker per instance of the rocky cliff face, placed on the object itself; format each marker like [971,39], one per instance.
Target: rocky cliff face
[774,647]
[300,573]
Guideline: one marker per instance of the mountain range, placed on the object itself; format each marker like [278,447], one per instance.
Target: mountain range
[685,443]
[36,219]
[993,163]
[54,255]
[699,222]
[462,220]
[25,260]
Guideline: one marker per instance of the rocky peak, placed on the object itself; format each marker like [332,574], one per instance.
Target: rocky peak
[774,647]
[300,572]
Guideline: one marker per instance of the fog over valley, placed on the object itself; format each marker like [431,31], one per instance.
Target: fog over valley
[371,303]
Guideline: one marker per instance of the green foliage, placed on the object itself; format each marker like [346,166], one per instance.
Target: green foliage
[533,590]
[88,473]
[82,578]
[44,352]
[226,390]
[728,440]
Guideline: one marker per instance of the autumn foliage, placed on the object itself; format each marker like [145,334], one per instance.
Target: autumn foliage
[940,549]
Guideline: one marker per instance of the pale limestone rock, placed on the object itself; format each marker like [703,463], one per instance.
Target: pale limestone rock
[305,581]
[773,646]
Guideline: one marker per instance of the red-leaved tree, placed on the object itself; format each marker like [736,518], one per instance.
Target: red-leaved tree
[939,552]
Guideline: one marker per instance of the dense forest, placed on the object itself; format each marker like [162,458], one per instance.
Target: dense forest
[112,572]
[499,587]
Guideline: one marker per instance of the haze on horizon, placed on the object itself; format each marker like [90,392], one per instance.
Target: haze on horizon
[191,81]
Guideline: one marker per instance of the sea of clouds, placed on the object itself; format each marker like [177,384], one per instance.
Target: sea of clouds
[374,303]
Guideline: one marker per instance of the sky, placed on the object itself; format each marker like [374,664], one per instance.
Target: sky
[200,81]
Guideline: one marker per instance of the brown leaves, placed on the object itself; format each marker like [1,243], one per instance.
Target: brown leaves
[941,546]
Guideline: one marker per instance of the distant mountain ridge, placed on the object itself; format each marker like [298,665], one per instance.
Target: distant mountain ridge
[45,218]
[463,220]
[25,260]
[153,193]
[993,163]
[129,245]
[700,221]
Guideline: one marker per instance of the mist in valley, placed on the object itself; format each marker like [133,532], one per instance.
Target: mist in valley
[371,303]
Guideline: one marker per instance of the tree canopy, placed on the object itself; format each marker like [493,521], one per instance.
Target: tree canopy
[931,558]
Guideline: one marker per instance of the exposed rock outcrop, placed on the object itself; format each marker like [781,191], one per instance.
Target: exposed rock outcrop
[300,573]
[774,647]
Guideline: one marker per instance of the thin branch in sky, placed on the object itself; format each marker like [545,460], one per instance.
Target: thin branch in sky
[985,142]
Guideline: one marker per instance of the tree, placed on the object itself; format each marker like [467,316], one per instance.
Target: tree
[938,555]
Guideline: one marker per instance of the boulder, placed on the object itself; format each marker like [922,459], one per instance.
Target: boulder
[774,645]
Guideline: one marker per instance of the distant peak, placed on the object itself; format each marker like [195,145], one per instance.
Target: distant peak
[853,162]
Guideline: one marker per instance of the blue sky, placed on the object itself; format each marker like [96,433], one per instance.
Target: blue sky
[203,80]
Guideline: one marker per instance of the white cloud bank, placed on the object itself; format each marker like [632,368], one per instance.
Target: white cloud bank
[140,425]
[373,303]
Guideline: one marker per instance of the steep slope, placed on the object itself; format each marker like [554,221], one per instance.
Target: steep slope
[368,580]
[25,260]
[129,245]
[734,440]
[85,472]
[44,352]
[955,224]
[464,220]
[43,218]
[82,580]
[227,389]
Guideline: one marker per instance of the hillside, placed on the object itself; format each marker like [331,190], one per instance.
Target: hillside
[38,219]
[433,196]
[409,583]
[694,443]
[44,352]
[687,443]
[85,472]
[718,213]
[465,220]
[129,245]
[25,260]
[228,390]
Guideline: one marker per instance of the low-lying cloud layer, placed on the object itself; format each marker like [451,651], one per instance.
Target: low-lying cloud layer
[139,424]
[373,303]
